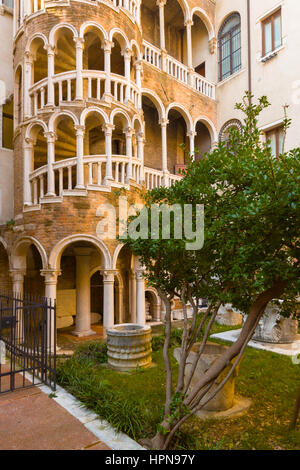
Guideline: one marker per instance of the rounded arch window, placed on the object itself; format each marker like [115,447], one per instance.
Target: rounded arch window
[229,45]
[224,132]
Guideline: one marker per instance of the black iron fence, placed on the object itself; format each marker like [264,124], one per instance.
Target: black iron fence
[27,342]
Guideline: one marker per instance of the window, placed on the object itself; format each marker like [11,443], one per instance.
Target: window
[7,125]
[232,124]
[271,33]
[275,138]
[229,43]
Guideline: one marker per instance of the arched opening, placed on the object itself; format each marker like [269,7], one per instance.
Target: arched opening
[152,306]
[33,281]
[118,135]
[202,140]
[203,60]
[65,56]
[94,138]
[5,279]
[40,60]
[79,294]
[152,134]
[93,53]
[18,95]
[177,141]
[117,58]
[175,31]
[150,22]
[39,147]
[229,45]
[65,144]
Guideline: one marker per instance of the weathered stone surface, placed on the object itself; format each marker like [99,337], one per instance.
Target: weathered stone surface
[273,328]
[129,346]
[228,316]
[64,322]
[95,318]
[224,399]
[66,303]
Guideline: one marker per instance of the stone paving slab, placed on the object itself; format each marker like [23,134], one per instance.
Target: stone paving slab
[283,349]
[30,420]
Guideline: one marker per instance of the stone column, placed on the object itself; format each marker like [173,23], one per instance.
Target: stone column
[140,153]
[107,46]
[161,5]
[140,298]
[189,51]
[164,149]
[79,154]
[51,70]
[138,81]
[18,292]
[83,293]
[127,61]
[79,44]
[50,276]
[108,130]
[128,134]
[28,168]
[108,298]
[191,136]
[28,63]
[50,136]
[132,298]
[121,310]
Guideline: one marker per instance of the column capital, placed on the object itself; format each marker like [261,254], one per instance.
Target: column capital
[109,275]
[79,42]
[50,275]
[50,136]
[107,45]
[17,274]
[29,143]
[189,23]
[161,3]
[138,64]
[164,122]
[28,57]
[140,275]
[50,49]
[140,136]
[129,131]
[80,130]
[108,128]
[191,134]
[127,53]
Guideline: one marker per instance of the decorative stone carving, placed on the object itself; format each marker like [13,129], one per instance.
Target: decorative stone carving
[147,309]
[224,399]
[129,346]
[228,316]
[273,328]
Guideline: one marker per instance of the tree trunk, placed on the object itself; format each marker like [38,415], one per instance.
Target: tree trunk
[296,412]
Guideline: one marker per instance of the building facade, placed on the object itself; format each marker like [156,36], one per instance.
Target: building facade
[105,94]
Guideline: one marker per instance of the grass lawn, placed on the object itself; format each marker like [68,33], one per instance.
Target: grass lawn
[133,402]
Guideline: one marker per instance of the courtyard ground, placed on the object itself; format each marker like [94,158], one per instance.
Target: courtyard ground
[31,420]
[133,402]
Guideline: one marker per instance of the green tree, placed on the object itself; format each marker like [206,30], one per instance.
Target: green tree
[250,255]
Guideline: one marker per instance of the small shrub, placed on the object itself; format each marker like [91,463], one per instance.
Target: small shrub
[175,341]
[95,350]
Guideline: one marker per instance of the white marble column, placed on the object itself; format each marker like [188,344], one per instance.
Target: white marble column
[108,130]
[128,134]
[79,44]
[138,81]
[28,66]
[108,298]
[189,51]
[28,168]
[140,153]
[17,276]
[50,276]
[140,298]
[83,293]
[191,136]
[51,70]
[164,149]
[161,5]
[107,46]
[50,136]
[79,157]
[127,54]
[132,298]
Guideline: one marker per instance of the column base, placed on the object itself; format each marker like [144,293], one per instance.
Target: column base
[81,334]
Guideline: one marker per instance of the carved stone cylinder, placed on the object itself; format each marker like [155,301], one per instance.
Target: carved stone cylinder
[129,346]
